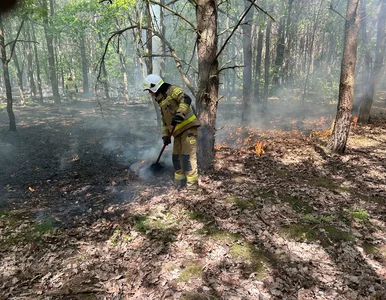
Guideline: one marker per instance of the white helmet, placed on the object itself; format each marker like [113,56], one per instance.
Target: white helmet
[152,82]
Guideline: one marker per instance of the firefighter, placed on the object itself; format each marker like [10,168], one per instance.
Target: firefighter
[176,111]
[71,89]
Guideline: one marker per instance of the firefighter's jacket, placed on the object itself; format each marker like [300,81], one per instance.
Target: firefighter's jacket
[172,102]
[71,86]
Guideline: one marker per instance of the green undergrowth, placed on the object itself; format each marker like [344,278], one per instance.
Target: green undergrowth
[377,251]
[253,259]
[315,231]
[241,203]
[192,270]
[18,229]
[158,226]
[328,184]
[297,204]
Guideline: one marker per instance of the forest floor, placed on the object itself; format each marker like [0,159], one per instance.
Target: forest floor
[278,218]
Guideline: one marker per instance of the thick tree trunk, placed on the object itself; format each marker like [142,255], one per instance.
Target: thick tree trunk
[368,97]
[339,136]
[208,80]
[7,82]
[247,71]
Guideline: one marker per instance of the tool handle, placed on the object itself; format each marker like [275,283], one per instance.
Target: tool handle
[164,146]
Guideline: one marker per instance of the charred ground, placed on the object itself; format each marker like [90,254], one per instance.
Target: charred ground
[81,219]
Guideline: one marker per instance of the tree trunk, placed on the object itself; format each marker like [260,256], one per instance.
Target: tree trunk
[83,55]
[247,71]
[19,74]
[368,97]
[30,66]
[267,64]
[280,48]
[39,81]
[7,82]
[258,62]
[340,132]
[51,55]
[104,70]
[208,80]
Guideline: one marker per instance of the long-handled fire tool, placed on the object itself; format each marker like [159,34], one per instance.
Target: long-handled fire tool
[157,166]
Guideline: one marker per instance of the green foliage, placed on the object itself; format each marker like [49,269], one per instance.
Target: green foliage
[316,220]
[191,271]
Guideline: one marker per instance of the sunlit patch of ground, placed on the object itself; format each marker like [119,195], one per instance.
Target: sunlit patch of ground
[279,218]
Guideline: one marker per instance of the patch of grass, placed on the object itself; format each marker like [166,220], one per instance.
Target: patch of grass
[193,270]
[118,237]
[160,227]
[194,215]
[312,233]
[299,232]
[379,251]
[316,220]
[240,203]
[337,235]
[247,253]
[44,227]
[219,235]
[141,224]
[297,204]
[322,182]
[360,214]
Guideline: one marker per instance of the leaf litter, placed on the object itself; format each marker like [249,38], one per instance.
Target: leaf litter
[279,218]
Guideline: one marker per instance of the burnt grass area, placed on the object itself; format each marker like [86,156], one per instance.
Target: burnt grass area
[83,216]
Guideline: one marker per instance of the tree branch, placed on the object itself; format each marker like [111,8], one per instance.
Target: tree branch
[235,28]
[175,13]
[337,12]
[14,43]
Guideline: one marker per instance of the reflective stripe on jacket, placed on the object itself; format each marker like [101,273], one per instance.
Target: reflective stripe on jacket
[71,86]
[172,103]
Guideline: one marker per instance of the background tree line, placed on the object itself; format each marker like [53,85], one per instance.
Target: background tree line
[218,50]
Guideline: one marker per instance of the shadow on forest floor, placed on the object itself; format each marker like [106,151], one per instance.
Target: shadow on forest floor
[79,220]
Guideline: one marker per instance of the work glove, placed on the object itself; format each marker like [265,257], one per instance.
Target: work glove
[167,140]
[177,119]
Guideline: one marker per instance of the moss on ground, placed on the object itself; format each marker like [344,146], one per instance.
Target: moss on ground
[241,203]
[192,270]
[311,233]
[161,227]
[297,204]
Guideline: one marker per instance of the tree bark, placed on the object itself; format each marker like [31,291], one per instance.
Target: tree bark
[39,80]
[258,62]
[368,96]
[247,71]
[51,54]
[340,132]
[267,64]
[208,80]
[7,82]
[30,65]
[83,55]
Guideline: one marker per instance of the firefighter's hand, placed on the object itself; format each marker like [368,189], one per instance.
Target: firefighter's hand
[177,119]
[166,140]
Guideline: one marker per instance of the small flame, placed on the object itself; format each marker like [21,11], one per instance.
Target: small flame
[259,148]
[354,121]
